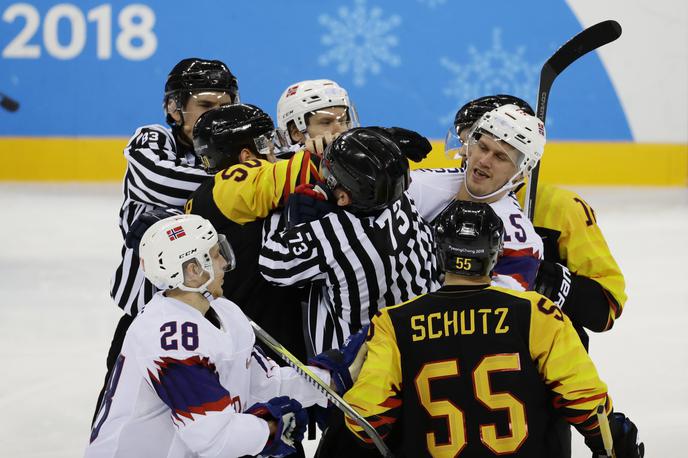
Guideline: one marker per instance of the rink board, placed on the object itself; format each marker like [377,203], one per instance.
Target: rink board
[576,163]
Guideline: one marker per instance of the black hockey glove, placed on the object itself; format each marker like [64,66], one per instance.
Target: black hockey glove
[143,222]
[625,437]
[308,203]
[554,282]
[414,146]
[291,422]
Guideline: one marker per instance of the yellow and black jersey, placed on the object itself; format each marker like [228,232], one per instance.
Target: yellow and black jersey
[238,201]
[475,371]
[251,190]
[570,234]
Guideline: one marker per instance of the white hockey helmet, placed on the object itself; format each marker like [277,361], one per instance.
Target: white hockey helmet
[522,131]
[308,96]
[169,243]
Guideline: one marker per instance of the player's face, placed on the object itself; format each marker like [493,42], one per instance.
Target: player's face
[219,265]
[491,163]
[199,103]
[332,120]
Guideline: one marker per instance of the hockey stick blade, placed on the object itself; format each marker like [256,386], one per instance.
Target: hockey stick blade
[588,40]
[323,387]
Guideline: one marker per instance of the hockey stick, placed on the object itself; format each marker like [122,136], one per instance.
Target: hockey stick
[323,387]
[606,433]
[588,40]
[8,103]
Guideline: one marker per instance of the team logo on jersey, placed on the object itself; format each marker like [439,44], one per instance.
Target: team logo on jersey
[176,233]
[541,128]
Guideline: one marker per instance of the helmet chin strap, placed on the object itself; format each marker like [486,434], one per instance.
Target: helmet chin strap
[510,184]
[203,289]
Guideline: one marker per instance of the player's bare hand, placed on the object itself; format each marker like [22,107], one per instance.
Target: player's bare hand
[317,145]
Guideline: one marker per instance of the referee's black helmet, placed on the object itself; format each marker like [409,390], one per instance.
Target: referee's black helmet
[369,165]
[469,237]
[198,75]
[194,74]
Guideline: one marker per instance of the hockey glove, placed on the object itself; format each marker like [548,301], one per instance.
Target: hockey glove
[414,146]
[625,437]
[344,364]
[143,222]
[291,422]
[554,282]
[308,203]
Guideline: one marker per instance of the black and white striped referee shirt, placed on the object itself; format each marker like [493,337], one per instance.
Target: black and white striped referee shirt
[160,173]
[354,266]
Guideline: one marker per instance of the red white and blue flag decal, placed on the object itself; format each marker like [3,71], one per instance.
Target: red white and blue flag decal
[176,233]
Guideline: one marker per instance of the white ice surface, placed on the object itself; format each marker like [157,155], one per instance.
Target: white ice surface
[59,244]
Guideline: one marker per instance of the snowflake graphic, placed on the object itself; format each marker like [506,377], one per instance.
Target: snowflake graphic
[359,40]
[495,71]
[433,3]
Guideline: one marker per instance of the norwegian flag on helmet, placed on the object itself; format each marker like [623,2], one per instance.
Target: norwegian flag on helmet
[176,233]
[292,90]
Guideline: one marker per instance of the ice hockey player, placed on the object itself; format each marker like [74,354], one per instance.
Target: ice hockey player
[501,148]
[235,143]
[162,171]
[578,273]
[189,380]
[312,113]
[470,369]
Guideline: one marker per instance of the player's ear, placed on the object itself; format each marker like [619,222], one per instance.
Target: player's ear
[245,154]
[192,271]
[295,133]
[342,197]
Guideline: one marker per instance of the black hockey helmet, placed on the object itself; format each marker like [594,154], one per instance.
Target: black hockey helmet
[219,135]
[369,165]
[194,74]
[469,238]
[473,110]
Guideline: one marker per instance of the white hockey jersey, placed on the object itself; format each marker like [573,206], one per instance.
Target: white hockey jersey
[433,189]
[181,384]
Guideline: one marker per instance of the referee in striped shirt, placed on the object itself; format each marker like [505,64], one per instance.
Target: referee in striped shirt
[163,171]
[372,250]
